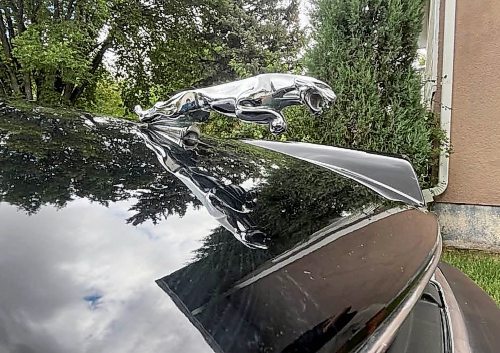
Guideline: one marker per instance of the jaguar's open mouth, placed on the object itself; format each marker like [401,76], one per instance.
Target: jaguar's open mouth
[315,102]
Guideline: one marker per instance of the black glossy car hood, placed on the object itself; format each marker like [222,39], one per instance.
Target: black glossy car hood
[114,239]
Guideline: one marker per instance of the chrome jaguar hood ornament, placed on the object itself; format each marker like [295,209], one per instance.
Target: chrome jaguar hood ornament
[257,99]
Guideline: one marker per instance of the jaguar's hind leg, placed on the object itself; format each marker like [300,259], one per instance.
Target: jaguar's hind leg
[274,119]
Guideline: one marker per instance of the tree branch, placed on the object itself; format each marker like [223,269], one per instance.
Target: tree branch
[36,8]
[13,5]
[3,37]
[10,25]
[10,30]
[14,84]
[96,63]
[14,12]
[71,9]
[57,9]
[20,17]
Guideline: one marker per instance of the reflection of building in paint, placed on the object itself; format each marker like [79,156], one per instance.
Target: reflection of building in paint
[328,295]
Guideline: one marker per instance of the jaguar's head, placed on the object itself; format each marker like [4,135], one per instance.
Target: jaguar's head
[315,94]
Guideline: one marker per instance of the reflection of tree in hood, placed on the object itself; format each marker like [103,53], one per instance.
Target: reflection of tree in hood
[49,159]
[298,199]
[295,201]
[53,159]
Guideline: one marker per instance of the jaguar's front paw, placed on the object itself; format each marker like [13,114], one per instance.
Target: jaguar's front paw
[138,110]
[277,126]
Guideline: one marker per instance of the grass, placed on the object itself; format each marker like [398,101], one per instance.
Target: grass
[482,267]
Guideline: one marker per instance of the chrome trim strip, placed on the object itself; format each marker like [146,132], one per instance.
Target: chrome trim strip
[393,178]
[381,339]
[458,331]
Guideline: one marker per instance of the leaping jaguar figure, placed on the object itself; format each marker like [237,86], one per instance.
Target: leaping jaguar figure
[257,99]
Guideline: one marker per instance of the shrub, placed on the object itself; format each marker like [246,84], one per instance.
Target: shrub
[365,49]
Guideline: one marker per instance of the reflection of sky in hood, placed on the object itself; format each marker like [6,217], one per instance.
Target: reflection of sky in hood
[79,279]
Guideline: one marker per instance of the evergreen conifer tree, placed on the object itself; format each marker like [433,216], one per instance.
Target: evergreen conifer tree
[365,49]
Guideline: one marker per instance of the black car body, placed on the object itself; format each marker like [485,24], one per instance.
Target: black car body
[117,237]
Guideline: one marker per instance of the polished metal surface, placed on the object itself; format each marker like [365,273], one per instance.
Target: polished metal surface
[107,246]
[390,176]
[257,99]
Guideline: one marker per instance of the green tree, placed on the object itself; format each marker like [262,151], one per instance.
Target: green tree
[365,50]
[52,50]
[103,96]
[204,43]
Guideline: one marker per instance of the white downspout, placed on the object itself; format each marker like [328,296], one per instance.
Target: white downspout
[446,99]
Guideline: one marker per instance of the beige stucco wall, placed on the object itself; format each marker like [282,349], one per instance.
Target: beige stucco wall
[475,128]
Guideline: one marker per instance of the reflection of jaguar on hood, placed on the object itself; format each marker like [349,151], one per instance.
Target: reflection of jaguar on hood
[229,204]
[257,99]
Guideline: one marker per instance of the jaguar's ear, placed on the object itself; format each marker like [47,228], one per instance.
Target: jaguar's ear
[302,84]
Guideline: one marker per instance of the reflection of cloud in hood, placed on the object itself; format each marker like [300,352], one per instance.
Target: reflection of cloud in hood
[81,280]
